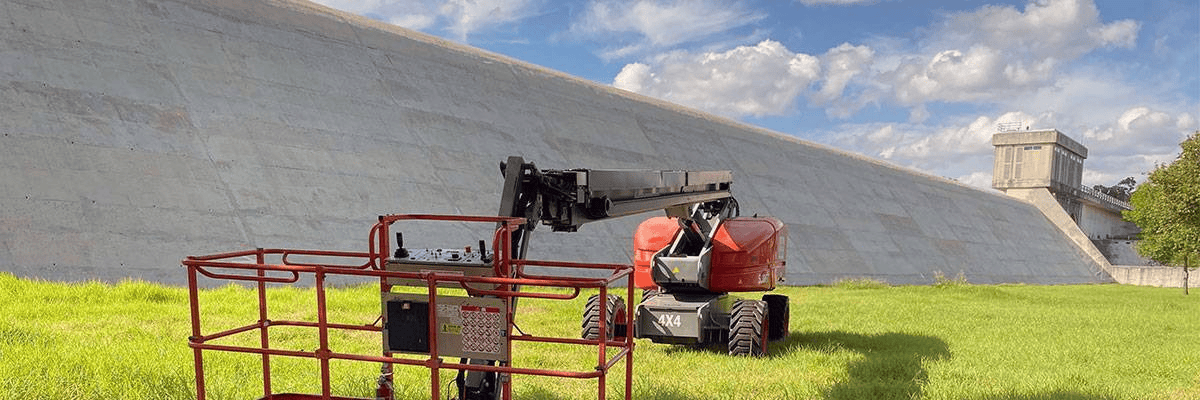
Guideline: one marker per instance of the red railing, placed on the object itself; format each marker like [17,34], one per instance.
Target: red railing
[510,277]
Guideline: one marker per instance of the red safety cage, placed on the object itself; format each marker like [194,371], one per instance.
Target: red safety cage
[275,266]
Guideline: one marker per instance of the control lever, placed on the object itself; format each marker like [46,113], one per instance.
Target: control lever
[401,252]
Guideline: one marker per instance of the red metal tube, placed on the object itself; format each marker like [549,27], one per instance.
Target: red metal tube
[512,294]
[264,337]
[629,338]
[218,256]
[295,275]
[322,334]
[228,332]
[256,350]
[389,219]
[384,249]
[615,358]
[569,264]
[602,339]
[194,300]
[330,325]
[538,339]
[466,367]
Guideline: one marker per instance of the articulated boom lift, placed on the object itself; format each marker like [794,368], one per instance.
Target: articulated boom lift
[686,261]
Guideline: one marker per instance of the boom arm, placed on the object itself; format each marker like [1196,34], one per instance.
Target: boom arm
[566,199]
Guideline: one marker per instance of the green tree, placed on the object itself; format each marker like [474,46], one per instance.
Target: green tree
[1120,191]
[1167,209]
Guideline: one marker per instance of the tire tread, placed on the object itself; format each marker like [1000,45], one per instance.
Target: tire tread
[746,328]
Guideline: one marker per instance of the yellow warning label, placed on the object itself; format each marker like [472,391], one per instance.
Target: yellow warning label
[452,329]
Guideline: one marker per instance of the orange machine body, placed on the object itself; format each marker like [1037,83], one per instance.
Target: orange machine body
[748,253]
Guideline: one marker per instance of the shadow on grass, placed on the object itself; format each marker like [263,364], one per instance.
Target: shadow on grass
[892,366]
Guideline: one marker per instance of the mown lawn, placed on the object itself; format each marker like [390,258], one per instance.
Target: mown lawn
[856,340]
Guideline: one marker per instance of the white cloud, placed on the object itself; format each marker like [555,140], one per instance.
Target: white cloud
[460,18]
[1141,130]
[841,64]
[657,24]
[467,16]
[636,77]
[996,51]
[1142,117]
[1063,29]
[988,55]
[1122,33]
[759,80]
[969,140]
[950,75]
[980,179]
[1185,122]
[413,21]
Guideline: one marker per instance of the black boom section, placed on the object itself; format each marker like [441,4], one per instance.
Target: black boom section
[566,199]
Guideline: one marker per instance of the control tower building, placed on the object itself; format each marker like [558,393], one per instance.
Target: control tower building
[1041,159]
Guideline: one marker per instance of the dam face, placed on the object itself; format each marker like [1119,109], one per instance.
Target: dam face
[137,132]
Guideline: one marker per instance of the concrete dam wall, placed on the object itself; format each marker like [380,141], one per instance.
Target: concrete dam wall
[137,132]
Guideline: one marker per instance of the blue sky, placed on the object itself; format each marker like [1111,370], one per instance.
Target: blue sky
[921,84]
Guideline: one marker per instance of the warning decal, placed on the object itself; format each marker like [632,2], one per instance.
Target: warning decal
[482,329]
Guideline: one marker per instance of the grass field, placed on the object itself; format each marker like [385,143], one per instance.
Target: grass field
[856,340]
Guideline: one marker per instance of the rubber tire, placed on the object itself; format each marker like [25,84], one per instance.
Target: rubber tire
[779,313]
[747,323]
[616,321]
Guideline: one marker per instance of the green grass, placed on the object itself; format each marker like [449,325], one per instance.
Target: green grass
[854,340]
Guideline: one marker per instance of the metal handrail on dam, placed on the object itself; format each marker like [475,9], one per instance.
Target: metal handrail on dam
[1104,198]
